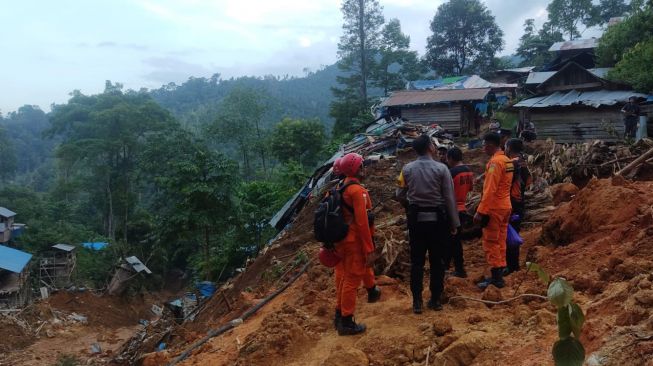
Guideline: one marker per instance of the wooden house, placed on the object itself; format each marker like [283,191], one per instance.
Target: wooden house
[6,224]
[453,109]
[14,278]
[576,104]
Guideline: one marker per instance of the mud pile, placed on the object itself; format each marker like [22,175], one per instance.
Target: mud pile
[603,206]
[597,237]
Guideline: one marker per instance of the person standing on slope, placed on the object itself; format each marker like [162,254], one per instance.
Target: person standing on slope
[369,281]
[493,212]
[521,180]
[463,183]
[426,188]
[357,248]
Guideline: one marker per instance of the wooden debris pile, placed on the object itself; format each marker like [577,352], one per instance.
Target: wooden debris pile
[578,163]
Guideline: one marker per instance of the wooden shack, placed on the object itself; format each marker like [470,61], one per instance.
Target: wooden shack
[576,104]
[57,266]
[450,108]
[14,278]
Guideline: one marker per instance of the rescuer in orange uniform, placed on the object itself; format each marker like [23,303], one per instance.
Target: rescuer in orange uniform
[463,183]
[357,248]
[369,280]
[493,212]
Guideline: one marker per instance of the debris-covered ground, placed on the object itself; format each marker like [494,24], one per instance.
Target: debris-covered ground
[598,236]
[595,232]
[70,324]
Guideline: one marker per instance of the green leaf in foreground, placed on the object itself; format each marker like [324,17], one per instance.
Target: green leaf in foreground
[576,319]
[568,352]
[534,267]
[564,322]
[560,292]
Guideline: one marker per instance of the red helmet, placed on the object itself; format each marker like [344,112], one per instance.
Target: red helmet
[350,164]
[336,166]
[329,257]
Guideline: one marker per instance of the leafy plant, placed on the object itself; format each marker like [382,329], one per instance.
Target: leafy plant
[568,350]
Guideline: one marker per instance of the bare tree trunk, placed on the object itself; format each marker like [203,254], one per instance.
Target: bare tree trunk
[110,228]
[361,35]
[207,264]
[261,150]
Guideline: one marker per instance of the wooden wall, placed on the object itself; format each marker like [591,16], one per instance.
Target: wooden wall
[448,117]
[577,124]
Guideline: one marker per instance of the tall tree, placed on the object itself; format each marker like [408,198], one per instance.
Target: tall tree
[465,38]
[617,39]
[534,45]
[238,119]
[102,141]
[567,15]
[397,63]
[298,140]
[612,8]
[356,51]
[8,159]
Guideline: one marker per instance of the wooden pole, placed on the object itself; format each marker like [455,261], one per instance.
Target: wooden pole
[636,162]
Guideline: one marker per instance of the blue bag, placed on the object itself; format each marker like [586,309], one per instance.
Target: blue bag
[514,240]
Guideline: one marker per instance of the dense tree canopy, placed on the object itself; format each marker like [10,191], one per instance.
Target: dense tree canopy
[465,38]
[298,140]
[534,44]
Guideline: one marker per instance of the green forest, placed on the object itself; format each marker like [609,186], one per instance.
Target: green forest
[187,176]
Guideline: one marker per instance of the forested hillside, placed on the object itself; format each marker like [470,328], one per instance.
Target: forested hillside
[196,101]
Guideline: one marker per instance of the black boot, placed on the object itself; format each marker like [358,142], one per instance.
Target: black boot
[497,277]
[373,294]
[417,305]
[347,326]
[337,318]
[434,304]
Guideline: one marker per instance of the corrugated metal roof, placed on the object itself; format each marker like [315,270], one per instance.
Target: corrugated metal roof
[475,82]
[64,247]
[590,98]
[519,70]
[13,260]
[6,212]
[137,265]
[601,72]
[539,77]
[542,76]
[576,44]
[417,97]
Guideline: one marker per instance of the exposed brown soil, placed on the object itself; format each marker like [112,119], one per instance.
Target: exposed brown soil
[599,241]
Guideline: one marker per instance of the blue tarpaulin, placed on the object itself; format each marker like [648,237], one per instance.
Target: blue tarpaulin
[95,246]
[12,259]
[206,288]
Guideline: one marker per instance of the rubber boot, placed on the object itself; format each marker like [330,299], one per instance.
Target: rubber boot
[434,304]
[337,318]
[417,305]
[373,294]
[497,277]
[347,326]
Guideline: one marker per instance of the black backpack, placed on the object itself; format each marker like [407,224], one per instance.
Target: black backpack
[329,225]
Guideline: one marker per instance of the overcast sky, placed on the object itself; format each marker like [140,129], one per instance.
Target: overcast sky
[50,48]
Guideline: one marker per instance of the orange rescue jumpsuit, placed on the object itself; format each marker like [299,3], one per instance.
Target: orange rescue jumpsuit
[495,203]
[351,271]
